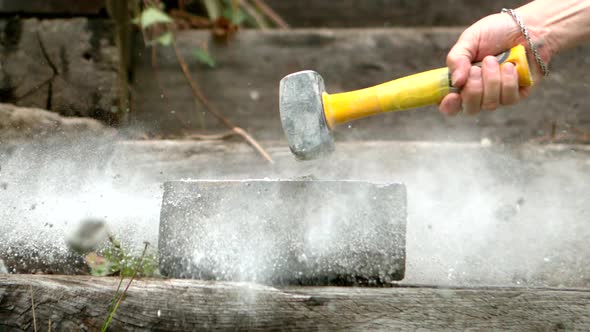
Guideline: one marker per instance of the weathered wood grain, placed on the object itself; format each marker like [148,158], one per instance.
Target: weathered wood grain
[363,13]
[80,303]
[316,13]
[244,85]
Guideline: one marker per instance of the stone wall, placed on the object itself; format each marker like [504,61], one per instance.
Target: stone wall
[68,66]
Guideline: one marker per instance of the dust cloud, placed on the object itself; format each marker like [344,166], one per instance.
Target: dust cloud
[479,214]
[49,187]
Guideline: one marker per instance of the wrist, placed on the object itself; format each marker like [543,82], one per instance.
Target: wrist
[557,25]
[541,33]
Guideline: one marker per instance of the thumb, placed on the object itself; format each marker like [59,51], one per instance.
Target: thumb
[460,58]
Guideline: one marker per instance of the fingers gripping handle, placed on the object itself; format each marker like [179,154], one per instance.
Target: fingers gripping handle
[409,92]
[518,57]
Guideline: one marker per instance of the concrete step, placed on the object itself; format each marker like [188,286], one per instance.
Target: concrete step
[244,85]
[479,214]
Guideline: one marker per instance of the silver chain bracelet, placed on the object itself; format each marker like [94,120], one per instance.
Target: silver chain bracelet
[527,37]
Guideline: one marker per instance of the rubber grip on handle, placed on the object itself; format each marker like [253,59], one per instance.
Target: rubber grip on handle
[409,92]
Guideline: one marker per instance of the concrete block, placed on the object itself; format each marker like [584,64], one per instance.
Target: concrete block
[284,232]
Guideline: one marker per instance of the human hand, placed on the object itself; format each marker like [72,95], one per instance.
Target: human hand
[491,85]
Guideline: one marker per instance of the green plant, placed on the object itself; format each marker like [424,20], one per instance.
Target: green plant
[252,13]
[118,298]
[151,17]
[203,55]
[154,25]
[233,11]
[116,260]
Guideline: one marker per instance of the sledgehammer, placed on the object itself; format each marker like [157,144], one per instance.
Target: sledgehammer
[308,113]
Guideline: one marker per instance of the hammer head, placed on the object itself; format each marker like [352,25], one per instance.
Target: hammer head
[302,115]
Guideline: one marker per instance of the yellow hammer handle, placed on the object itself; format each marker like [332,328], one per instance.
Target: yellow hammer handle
[409,92]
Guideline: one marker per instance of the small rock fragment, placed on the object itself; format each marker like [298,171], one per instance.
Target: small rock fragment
[90,235]
[486,142]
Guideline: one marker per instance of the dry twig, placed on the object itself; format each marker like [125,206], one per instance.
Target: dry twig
[33,308]
[186,20]
[260,22]
[197,92]
[201,97]
[271,13]
[212,137]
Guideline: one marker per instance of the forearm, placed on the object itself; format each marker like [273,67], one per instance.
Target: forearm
[557,24]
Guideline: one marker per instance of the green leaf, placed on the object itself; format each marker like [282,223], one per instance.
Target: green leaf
[236,16]
[151,16]
[213,8]
[204,57]
[164,39]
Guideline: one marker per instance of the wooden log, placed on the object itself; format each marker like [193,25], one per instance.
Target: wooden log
[362,13]
[81,303]
[244,85]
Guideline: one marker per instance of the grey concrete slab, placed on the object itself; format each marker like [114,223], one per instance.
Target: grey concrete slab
[305,232]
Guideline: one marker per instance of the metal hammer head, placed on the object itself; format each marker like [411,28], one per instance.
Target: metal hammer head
[303,117]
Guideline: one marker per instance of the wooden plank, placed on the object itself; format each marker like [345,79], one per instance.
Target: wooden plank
[180,305]
[316,13]
[363,13]
[244,85]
